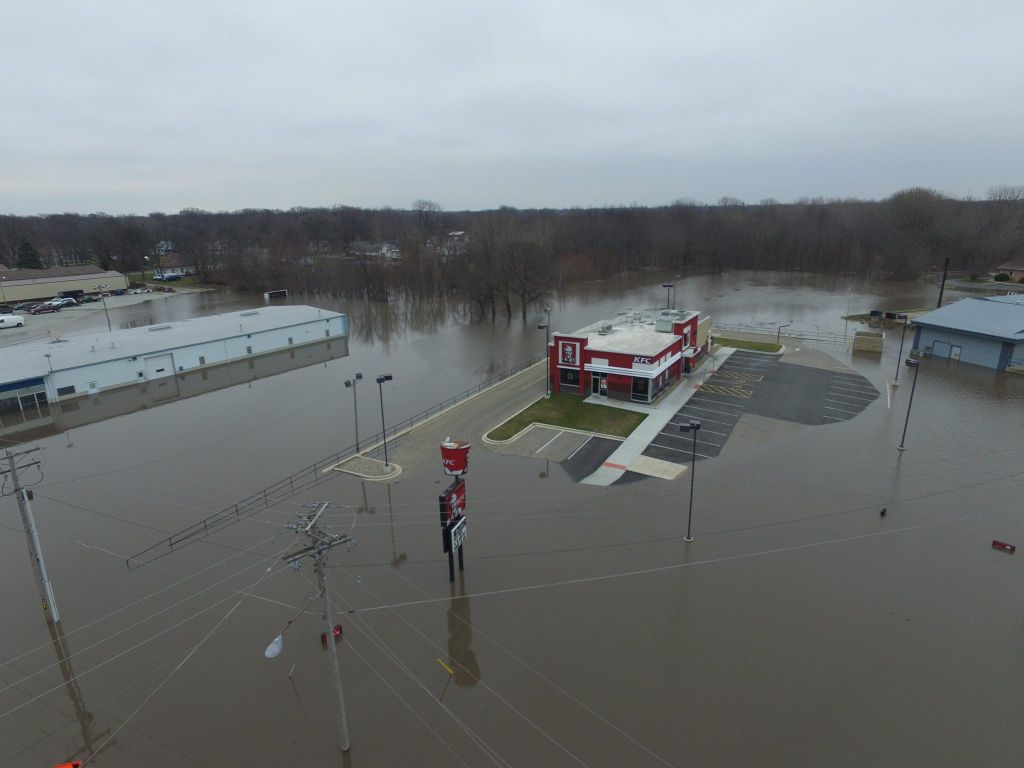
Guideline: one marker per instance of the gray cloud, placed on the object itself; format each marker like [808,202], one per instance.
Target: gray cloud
[135,107]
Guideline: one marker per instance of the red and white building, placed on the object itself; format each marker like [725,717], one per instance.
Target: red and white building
[634,358]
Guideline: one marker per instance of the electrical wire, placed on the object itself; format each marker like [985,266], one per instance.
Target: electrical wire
[126,651]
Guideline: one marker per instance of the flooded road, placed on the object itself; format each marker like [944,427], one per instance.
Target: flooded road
[801,627]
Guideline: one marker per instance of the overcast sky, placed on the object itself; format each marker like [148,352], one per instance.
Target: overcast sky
[133,107]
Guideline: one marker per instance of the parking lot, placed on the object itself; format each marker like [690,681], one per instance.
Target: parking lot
[750,383]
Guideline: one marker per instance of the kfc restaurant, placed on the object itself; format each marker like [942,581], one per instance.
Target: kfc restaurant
[634,358]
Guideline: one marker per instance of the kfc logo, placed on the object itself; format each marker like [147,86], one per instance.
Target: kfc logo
[570,353]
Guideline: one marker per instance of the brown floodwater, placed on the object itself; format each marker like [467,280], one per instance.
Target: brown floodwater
[801,627]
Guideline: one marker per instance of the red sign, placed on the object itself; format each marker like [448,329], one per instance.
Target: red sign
[453,502]
[455,457]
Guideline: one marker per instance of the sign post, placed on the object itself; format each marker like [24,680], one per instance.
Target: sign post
[452,503]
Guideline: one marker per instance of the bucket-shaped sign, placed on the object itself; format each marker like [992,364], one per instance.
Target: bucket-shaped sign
[455,456]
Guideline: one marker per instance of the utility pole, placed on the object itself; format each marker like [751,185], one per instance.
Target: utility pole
[321,543]
[35,549]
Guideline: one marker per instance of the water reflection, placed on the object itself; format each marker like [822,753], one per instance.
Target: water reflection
[67,415]
[85,718]
[461,658]
[397,558]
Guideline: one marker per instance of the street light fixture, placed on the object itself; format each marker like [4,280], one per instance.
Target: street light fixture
[915,364]
[351,384]
[102,288]
[903,333]
[547,355]
[694,427]
[668,289]
[383,430]
[778,333]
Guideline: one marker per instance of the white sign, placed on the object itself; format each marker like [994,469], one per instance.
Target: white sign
[459,533]
[638,360]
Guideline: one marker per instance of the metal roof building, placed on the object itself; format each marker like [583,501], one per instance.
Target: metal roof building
[34,374]
[984,331]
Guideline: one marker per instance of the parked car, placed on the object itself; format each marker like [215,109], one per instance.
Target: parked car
[25,306]
[6,310]
[63,302]
[45,307]
[11,321]
[89,298]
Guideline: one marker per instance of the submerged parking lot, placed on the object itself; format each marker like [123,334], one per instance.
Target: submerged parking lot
[760,385]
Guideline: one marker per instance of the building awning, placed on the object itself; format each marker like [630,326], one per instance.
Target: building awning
[638,373]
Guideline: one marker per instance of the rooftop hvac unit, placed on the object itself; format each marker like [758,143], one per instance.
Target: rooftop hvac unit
[606,328]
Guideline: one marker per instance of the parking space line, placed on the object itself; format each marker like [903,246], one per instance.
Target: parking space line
[852,413]
[688,439]
[862,401]
[853,389]
[569,457]
[840,402]
[549,442]
[677,450]
[703,419]
[711,410]
[836,418]
[701,397]
[843,393]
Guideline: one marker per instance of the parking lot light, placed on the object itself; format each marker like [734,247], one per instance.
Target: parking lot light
[103,297]
[693,427]
[915,364]
[899,357]
[351,384]
[383,429]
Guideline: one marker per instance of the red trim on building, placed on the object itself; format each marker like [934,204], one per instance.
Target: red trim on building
[626,362]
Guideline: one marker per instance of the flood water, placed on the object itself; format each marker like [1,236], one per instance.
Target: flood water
[801,627]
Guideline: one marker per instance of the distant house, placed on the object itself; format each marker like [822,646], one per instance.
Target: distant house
[986,331]
[383,251]
[164,248]
[176,264]
[1014,269]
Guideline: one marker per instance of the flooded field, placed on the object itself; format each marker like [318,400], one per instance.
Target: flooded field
[801,627]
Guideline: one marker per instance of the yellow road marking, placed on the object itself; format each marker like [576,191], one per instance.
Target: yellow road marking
[740,376]
[717,389]
[450,670]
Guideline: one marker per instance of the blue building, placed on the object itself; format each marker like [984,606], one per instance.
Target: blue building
[986,331]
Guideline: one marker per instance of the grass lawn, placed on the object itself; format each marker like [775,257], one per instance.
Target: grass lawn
[755,346]
[570,411]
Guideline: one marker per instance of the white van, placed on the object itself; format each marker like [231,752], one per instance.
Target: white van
[11,321]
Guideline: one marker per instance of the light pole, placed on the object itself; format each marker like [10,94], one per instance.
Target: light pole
[103,298]
[903,333]
[694,427]
[351,384]
[383,430]
[778,333]
[915,364]
[3,299]
[846,324]
[546,327]
[668,289]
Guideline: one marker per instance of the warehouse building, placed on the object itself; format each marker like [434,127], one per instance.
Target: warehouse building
[984,331]
[35,375]
[32,284]
[634,358]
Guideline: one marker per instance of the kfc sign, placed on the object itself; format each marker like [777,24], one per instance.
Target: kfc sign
[569,353]
[453,502]
[638,360]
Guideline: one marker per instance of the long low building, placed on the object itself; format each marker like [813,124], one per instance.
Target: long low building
[35,374]
[31,284]
[985,331]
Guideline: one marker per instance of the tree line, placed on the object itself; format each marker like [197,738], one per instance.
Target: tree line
[501,262]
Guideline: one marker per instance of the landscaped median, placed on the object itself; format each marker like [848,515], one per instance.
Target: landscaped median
[571,412]
[753,346]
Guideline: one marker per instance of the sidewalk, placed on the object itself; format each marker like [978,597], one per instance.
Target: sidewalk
[616,465]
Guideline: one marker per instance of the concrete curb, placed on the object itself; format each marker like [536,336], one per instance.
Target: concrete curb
[530,426]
